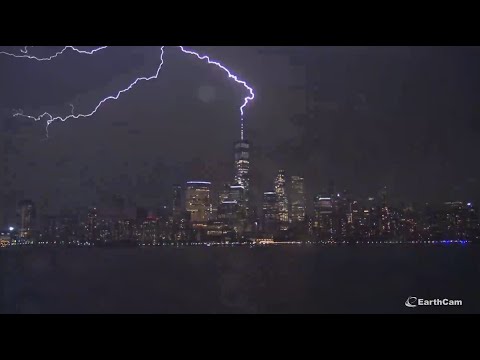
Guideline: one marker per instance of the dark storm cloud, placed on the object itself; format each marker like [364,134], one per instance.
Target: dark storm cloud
[402,117]
[181,125]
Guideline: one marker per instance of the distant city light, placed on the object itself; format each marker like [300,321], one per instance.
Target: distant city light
[11,228]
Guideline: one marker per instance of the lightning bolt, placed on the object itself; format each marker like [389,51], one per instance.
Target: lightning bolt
[57,54]
[247,99]
[50,118]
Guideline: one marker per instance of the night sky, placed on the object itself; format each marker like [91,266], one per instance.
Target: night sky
[404,117]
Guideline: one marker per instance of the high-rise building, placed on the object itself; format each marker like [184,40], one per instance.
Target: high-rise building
[27,213]
[150,230]
[177,201]
[297,198]
[180,229]
[237,193]
[228,211]
[197,201]
[472,222]
[224,193]
[343,216]
[385,218]
[91,226]
[68,227]
[270,211]
[232,193]
[232,208]
[457,220]
[323,218]
[124,230]
[104,230]
[282,201]
[242,167]
[49,227]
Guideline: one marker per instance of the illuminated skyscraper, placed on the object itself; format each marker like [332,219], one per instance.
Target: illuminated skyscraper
[323,219]
[385,220]
[232,208]
[228,211]
[232,193]
[27,214]
[298,199]
[343,216]
[242,166]
[270,211]
[177,201]
[224,194]
[197,201]
[282,201]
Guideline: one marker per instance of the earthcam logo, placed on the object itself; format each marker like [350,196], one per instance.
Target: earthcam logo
[413,302]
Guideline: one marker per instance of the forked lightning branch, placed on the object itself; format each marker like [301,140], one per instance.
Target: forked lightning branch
[51,118]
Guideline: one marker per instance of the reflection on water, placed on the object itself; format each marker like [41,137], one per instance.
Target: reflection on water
[297,279]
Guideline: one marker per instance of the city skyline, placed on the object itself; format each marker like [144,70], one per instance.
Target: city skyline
[348,185]
[199,214]
[297,125]
[285,204]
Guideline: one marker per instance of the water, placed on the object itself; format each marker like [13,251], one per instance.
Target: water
[286,279]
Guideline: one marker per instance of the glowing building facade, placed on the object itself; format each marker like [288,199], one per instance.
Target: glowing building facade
[197,201]
[297,199]
[232,193]
[270,211]
[242,167]
[323,217]
[282,201]
[228,211]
